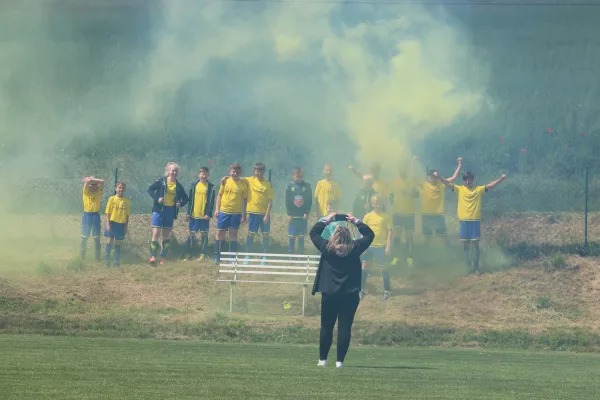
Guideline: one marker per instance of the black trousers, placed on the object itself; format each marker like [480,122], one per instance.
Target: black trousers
[340,307]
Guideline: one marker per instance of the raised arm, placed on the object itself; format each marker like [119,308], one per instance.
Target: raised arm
[449,185]
[355,171]
[367,234]
[88,180]
[411,172]
[453,177]
[317,230]
[494,183]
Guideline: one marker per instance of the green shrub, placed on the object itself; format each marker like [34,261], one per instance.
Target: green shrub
[543,302]
[557,261]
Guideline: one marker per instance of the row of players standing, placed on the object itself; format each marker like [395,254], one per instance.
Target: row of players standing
[239,196]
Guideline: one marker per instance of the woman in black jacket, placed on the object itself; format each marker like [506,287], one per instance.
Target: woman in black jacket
[338,279]
[168,195]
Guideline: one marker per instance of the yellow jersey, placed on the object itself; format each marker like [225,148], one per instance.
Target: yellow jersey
[404,201]
[200,196]
[91,201]
[326,191]
[469,202]
[381,188]
[170,190]
[381,224]
[432,198]
[233,193]
[259,195]
[117,209]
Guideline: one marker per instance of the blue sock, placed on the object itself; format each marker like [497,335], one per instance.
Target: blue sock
[153,248]
[82,247]
[291,244]
[300,244]
[266,243]
[107,250]
[117,254]
[476,261]
[97,248]
[217,252]
[233,246]
[467,253]
[249,241]
[165,247]
[386,279]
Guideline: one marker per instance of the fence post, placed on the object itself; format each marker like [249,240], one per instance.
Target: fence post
[585,217]
[116,179]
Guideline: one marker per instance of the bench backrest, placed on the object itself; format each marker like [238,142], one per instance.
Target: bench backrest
[256,267]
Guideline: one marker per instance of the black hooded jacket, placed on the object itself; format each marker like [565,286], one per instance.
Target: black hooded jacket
[337,274]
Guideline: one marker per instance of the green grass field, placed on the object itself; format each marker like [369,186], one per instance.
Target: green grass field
[35,367]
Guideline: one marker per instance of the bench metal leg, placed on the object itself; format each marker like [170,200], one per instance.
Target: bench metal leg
[231,296]
[303,298]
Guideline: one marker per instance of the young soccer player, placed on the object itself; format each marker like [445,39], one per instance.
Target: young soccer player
[200,209]
[469,214]
[381,223]
[432,204]
[231,210]
[331,209]
[168,195]
[327,189]
[298,202]
[260,201]
[379,185]
[117,220]
[90,221]
[402,197]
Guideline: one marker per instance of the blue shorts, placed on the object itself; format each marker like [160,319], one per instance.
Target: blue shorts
[90,223]
[117,231]
[377,253]
[199,225]
[256,222]
[470,230]
[297,227]
[406,222]
[228,221]
[433,224]
[165,218]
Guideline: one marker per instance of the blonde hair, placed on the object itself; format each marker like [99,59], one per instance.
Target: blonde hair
[171,164]
[341,242]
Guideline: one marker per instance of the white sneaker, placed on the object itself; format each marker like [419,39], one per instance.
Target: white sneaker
[322,363]
[339,364]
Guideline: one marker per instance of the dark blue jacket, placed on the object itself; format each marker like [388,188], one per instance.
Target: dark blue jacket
[210,199]
[157,190]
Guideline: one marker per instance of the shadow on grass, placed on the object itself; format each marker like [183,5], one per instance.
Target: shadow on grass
[387,367]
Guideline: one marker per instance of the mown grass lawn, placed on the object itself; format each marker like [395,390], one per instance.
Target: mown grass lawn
[36,367]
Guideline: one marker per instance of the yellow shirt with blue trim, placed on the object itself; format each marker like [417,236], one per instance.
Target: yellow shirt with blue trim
[326,191]
[233,193]
[91,201]
[404,200]
[118,209]
[259,195]
[469,202]
[200,196]
[381,225]
[432,198]
[170,191]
